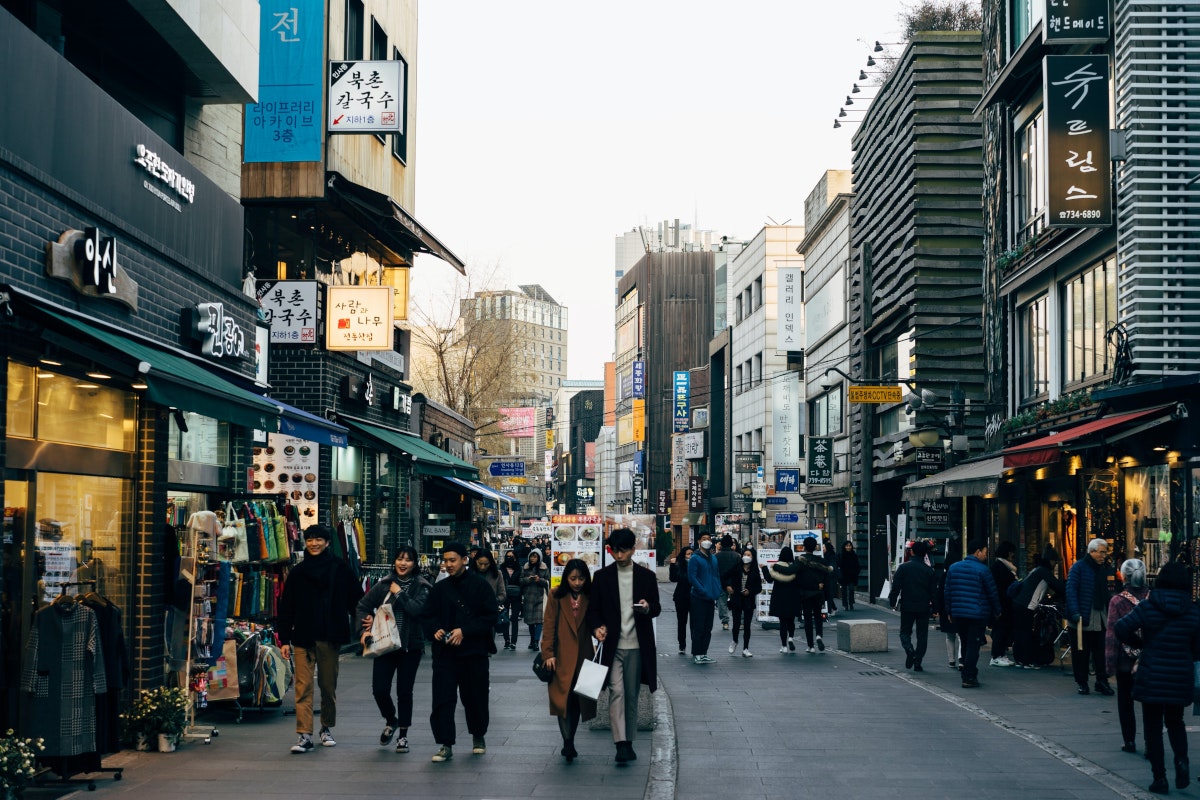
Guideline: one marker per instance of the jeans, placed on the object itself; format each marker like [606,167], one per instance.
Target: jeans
[454,677]
[403,665]
[1154,716]
[813,618]
[513,604]
[742,617]
[723,608]
[921,620]
[848,594]
[971,633]
[321,659]
[535,635]
[701,623]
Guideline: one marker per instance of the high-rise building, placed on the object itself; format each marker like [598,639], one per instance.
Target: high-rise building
[667,236]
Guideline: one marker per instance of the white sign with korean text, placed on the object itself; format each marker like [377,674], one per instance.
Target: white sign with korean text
[365,96]
[692,444]
[789,331]
[291,309]
[358,318]
[785,416]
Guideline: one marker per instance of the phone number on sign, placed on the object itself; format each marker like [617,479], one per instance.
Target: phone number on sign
[1091,213]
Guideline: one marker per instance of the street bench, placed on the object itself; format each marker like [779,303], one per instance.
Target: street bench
[862,636]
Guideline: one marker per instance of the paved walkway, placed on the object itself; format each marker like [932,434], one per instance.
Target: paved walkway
[834,725]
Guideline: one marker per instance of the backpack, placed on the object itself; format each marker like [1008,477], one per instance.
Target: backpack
[1014,589]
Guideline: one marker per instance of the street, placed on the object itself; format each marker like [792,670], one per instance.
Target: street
[833,725]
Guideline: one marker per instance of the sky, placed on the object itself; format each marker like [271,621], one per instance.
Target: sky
[545,128]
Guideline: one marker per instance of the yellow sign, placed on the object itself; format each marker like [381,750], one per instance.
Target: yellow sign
[639,420]
[515,481]
[875,394]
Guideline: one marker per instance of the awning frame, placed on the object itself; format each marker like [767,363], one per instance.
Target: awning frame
[970,479]
[1047,449]
[427,459]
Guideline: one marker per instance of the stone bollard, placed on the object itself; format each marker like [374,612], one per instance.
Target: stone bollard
[645,720]
[862,636]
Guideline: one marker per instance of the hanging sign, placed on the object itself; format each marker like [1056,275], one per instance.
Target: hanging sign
[364,96]
[1084,21]
[820,461]
[1078,170]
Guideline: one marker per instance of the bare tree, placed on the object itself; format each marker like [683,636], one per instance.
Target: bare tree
[948,15]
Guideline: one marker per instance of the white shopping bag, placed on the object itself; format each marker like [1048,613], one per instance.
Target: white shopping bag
[385,634]
[591,677]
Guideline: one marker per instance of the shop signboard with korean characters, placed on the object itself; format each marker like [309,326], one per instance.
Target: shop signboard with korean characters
[288,465]
[365,96]
[291,310]
[358,318]
[1078,169]
[574,536]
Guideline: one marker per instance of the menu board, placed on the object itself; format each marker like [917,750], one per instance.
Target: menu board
[574,536]
[642,526]
[766,558]
[289,465]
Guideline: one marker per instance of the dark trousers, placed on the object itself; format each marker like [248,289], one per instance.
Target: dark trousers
[1154,716]
[1093,650]
[787,629]
[812,607]
[971,633]
[701,622]
[907,620]
[1002,633]
[742,617]
[456,677]
[848,594]
[682,608]
[513,604]
[403,665]
[1125,706]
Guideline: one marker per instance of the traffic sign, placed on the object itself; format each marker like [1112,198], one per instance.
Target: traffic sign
[786,518]
[506,469]
[875,394]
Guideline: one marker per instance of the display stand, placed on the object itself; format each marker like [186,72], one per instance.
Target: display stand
[196,549]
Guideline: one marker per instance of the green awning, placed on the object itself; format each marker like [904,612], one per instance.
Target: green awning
[176,382]
[427,459]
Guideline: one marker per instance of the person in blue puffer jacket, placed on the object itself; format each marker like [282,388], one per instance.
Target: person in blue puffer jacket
[1166,627]
[972,601]
[1088,595]
[704,576]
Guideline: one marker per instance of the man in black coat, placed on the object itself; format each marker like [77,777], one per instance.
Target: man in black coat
[315,609]
[915,585]
[460,621]
[623,602]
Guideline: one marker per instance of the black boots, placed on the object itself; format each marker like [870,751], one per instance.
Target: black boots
[568,751]
[625,753]
[1182,773]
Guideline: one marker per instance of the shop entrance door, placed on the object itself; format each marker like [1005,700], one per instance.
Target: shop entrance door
[16,610]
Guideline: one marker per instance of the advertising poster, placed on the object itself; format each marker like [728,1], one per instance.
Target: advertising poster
[574,536]
[289,465]
[766,557]
[60,563]
[642,526]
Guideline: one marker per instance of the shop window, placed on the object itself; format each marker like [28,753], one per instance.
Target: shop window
[1148,514]
[69,410]
[825,413]
[1034,348]
[1089,310]
[355,19]
[79,520]
[206,440]
[1025,14]
[1030,199]
[347,464]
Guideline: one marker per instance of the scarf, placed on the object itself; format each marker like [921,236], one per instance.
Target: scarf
[402,620]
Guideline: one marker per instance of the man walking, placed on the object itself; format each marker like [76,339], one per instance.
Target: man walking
[971,601]
[460,621]
[624,601]
[1088,594]
[727,559]
[315,609]
[705,576]
[915,586]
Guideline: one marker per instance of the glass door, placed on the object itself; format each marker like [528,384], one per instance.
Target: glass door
[15,610]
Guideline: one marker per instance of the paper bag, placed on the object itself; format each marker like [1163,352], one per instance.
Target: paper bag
[592,675]
[385,634]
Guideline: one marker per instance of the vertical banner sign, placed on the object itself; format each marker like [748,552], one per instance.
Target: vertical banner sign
[1084,21]
[788,332]
[679,468]
[1079,173]
[785,416]
[820,461]
[663,506]
[695,493]
[637,487]
[639,420]
[639,380]
[683,410]
[285,123]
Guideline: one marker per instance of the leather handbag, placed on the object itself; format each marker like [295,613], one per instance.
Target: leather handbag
[540,669]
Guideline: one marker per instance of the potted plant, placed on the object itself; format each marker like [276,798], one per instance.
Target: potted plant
[160,714]
[18,762]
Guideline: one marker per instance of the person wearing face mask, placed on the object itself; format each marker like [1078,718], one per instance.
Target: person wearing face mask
[319,597]
[511,570]
[565,646]
[742,586]
[406,591]
[704,576]
[682,594]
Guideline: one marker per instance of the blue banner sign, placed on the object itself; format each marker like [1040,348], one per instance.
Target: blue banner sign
[506,469]
[285,124]
[683,411]
[639,380]
[787,481]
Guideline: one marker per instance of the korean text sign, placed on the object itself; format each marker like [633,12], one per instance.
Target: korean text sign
[358,318]
[820,461]
[285,123]
[364,96]
[682,394]
[291,309]
[1078,170]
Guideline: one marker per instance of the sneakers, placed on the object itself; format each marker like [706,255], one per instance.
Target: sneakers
[747,654]
[909,659]
[385,738]
[478,746]
[327,738]
[402,744]
[732,647]
[444,753]
[783,650]
[683,651]
[971,684]
[1082,688]
[704,660]
[810,649]
[724,626]
[1002,661]
[820,644]
[303,744]
[791,644]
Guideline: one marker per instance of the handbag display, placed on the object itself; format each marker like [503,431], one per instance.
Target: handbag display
[385,633]
[592,675]
[539,668]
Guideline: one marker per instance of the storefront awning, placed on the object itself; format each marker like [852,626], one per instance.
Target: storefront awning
[487,494]
[1047,449]
[380,215]
[974,479]
[298,422]
[173,380]
[427,459]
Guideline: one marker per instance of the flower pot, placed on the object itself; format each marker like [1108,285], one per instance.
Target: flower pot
[166,743]
[142,742]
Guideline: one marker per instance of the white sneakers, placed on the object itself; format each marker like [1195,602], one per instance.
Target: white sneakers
[747,654]
[732,647]
[783,650]
[1002,661]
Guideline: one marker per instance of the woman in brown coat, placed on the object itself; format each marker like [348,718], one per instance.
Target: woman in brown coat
[566,644]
